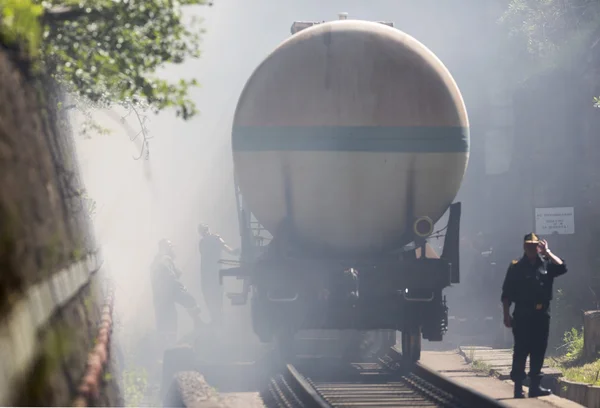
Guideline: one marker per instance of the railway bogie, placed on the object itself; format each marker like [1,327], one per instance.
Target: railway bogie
[372,298]
[401,292]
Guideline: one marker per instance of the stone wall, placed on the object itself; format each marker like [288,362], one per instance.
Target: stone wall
[591,334]
[52,286]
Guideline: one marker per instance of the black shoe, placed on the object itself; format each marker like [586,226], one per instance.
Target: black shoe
[519,391]
[538,391]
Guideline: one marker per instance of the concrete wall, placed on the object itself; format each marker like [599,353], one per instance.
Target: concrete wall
[52,289]
[584,394]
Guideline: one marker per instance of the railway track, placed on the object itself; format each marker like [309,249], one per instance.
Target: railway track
[381,384]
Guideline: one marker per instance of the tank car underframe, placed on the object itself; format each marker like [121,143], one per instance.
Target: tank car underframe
[299,294]
[398,292]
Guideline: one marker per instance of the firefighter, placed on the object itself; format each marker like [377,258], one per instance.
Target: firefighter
[168,290]
[211,247]
[528,284]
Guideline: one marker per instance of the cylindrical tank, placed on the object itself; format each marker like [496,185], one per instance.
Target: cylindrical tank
[346,134]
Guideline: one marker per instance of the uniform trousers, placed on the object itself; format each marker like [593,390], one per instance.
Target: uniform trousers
[530,331]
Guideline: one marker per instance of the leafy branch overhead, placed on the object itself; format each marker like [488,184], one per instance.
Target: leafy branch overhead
[548,28]
[109,51]
[563,34]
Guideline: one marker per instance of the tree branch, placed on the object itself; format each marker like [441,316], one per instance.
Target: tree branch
[60,14]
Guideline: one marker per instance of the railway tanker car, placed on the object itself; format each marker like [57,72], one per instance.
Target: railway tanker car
[350,141]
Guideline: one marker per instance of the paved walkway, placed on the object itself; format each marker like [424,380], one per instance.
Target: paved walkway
[454,366]
[499,361]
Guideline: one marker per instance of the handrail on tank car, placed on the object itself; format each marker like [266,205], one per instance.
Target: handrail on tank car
[250,230]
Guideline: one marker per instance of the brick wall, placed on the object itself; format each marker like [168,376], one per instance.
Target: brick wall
[53,318]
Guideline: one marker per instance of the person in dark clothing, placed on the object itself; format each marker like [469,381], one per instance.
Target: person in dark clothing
[211,247]
[168,290]
[528,284]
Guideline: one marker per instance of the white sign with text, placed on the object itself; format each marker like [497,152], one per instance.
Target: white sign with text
[558,220]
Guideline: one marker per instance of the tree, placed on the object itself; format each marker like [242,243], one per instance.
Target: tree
[108,51]
[556,33]
[548,26]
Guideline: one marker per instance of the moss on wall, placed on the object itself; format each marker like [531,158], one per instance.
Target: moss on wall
[64,347]
[43,230]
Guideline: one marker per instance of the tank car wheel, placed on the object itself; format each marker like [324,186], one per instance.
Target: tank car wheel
[377,344]
[351,342]
[364,346]
[261,322]
[388,340]
[411,345]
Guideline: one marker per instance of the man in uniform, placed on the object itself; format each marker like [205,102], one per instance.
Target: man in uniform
[528,284]
[211,246]
[168,290]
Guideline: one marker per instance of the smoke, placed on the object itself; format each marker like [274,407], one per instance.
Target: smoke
[188,178]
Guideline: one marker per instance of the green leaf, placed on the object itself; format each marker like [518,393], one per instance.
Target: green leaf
[551,34]
[109,51]
[19,21]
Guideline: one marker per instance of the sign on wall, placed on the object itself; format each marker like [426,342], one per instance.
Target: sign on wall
[558,220]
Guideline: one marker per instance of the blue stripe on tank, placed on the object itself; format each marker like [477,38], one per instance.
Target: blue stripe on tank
[351,139]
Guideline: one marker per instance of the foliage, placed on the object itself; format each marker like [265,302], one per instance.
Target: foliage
[574,344]
[138,112]
[109,51]
[587,373]
[135,382]
[551,34]
[20,21]
[89,205]
[141,368]
[481,366]
[545,27]
[571,363]
[564,314]
[85,108]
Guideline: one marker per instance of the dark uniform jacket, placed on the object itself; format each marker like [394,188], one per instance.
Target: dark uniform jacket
[529,285]
[168,291]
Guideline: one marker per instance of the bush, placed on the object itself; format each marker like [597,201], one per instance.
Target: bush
[573,341]
[135,382]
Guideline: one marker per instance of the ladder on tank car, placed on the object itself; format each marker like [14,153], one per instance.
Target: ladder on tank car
[254,239]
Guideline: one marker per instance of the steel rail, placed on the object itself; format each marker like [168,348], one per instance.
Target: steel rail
[420,385]
[448,385]
[467,395]
[306,391]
